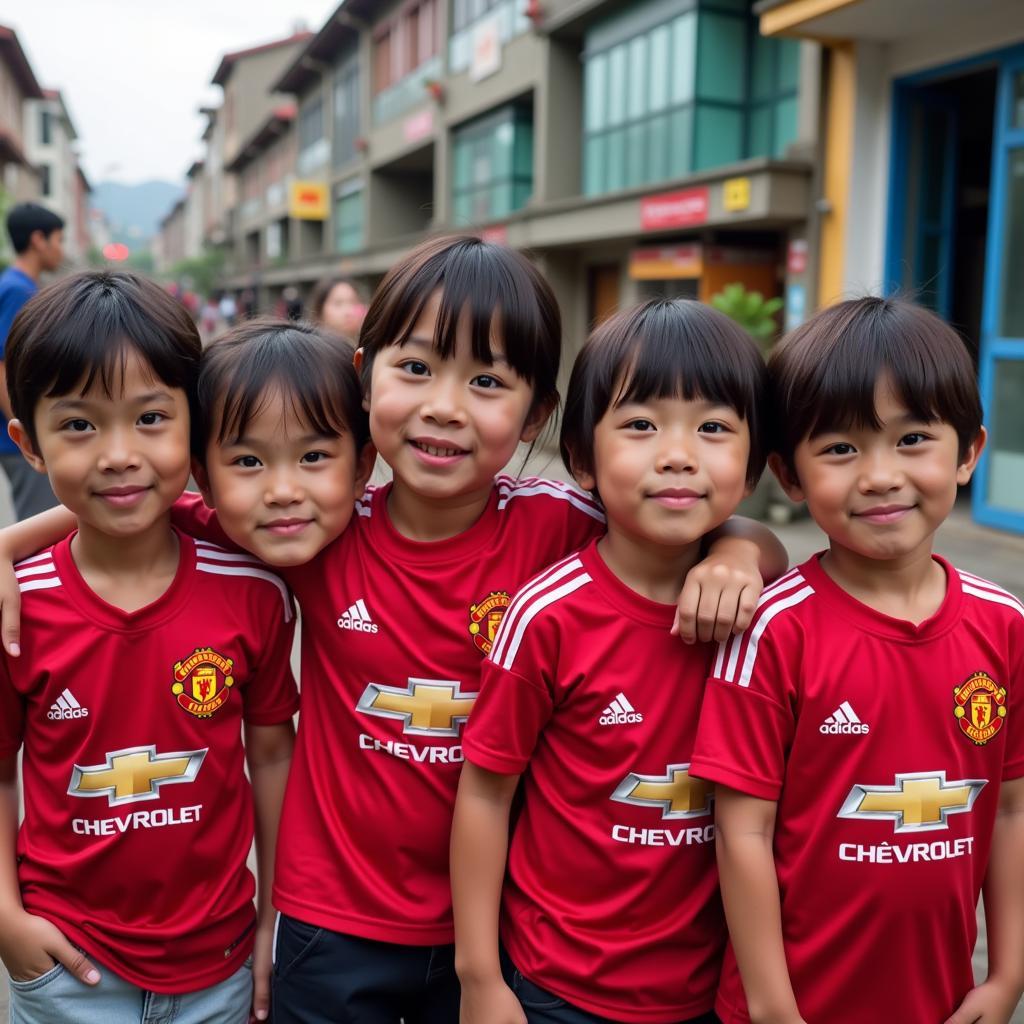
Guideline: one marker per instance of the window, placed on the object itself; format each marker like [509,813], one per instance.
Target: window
[493,166]
[346,111]
[349,217]
[45,128]
[405,43]
[666,92]
[45,178]
[312,144]
[467,15]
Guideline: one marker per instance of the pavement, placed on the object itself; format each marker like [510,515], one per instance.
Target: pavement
[992,554]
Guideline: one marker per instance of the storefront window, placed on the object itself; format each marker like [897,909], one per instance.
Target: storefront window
[349,217]
[1006,454]
[1012,318]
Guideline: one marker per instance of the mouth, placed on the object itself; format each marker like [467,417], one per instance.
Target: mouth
[881,514]
[125,496]
[676,497]
[286,527]
[437,451]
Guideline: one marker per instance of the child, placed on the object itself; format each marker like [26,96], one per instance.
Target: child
[144,654]
[398,612]
[864,735]
[611,908]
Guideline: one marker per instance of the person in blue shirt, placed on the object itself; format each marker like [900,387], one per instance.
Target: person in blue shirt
[37,235]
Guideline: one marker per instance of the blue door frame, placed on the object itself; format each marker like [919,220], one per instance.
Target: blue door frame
[994,347]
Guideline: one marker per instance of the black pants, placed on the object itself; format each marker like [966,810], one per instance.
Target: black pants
[325,977]
[543,1007]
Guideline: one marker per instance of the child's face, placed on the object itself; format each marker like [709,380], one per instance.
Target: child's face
[881,493]
[669,470]
[343,312]
[117,461]
[281,491]
[447,426]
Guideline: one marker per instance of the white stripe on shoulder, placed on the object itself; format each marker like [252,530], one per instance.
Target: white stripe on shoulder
[53,581]
[994,596]
[982,584]
[534,608]
[509,489]
[35,570]
[42,556]
[758,631]
[246,570]
[552,574]
[221,555]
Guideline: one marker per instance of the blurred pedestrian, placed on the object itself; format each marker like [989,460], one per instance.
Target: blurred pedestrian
[338,305]
[37,235]
[228,308]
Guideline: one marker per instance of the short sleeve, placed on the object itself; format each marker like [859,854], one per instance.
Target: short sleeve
[747,718]
[11,301]
[12,713]
[193,516]
[271,696]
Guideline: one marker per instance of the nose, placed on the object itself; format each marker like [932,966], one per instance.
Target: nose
[119,454]
[880,473]
[676,451]
[442,403]
[282,488]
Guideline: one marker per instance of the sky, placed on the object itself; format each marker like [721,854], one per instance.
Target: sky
[134,72]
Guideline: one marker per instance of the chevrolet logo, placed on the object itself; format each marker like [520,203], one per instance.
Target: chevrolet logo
[919,802]
[136,773]
[426,707]
[676,793]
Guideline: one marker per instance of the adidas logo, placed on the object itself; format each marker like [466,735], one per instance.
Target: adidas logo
[843,721]
[358,618]
[620,712]
[65,706]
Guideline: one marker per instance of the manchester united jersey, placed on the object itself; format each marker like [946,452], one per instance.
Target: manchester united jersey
[138,816]
[885,744]
[612,896]
[393,635]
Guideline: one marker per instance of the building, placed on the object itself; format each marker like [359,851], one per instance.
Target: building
[195,210]
[19,181]
[923,184]
[169,243]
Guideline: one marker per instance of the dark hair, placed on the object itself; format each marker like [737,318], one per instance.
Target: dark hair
[823,375]
[85,327]
[26,218]
[487,281]
[664,348]
[314,373]
[323,289]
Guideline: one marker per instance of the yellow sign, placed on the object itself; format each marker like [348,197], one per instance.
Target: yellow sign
[736,194]
[307,200]
[667,264]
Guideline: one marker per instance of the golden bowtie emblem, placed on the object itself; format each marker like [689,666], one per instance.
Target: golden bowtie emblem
[426,707]
[918,802]
[677,793]
[134,774]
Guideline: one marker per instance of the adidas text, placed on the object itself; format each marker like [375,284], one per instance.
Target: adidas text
[622,718]
[358,625]
[55,713]
[843,728]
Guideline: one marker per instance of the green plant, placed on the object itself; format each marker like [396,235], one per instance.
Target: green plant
[751,310]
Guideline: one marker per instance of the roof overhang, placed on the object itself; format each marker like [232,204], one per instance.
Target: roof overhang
[14,55]
[272,129]
[344,25]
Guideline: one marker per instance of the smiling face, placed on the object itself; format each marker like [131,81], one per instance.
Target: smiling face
[118,461]
[447,426]
[669,470]
[881,493]
[281,490]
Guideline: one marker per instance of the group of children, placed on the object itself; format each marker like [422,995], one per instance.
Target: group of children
[512,779]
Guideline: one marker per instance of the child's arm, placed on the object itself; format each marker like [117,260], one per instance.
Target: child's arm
[744,830]
[994,1001]
[17,542]
[721,592]
[29,945]
[268,752]
[478,855]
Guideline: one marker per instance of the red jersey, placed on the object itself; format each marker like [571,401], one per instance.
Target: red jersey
[885,744]
[138,815]
[612,898]
[393,635]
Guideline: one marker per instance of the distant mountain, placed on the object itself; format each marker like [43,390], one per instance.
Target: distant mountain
[134,212]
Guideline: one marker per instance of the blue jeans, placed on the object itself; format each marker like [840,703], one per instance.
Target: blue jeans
[58,997]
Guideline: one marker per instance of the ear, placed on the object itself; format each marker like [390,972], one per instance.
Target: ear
[786,477]
[537,419]
[365,461]
[19,435]
[586,479]
[358,359]
[202,478]
[969,462]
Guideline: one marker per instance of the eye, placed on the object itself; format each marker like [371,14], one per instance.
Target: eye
[416,368]
[912,439]
[712,427]
[76,426]
[151,419]
[312,458]
[486,381]
[247,462]
[640,424]
[839,448]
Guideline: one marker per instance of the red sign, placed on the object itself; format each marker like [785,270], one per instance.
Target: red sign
[497,235]
[796,256]
[674,209]
[115,251]
[419,126]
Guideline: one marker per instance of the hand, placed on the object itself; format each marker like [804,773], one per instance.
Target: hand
[718,597]
[10,608]
[262,966]
[490,1002]
[992,1002]
[30,946]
